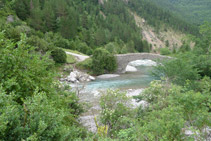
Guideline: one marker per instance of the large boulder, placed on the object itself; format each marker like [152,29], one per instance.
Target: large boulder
[77,76]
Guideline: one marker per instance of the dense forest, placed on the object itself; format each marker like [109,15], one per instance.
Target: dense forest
[93,24]
[190,10]
[158,17]
[35,106]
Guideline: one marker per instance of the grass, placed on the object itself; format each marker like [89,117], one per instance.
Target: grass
[85,65]
[74,51]
[70,59]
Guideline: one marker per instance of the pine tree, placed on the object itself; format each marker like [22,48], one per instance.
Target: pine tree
[50,18]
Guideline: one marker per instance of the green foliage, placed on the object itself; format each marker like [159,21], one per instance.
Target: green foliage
[192,11]
[103,61]
[165,51]
[40,117]
[41,44]
[70,59]
[18,58]
[116,111]
[59,56]
[33,105]
[85,24]
[85,65]
[178,70]
[159,17]
[170,108]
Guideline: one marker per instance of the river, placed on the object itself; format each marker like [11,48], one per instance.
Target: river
[131,82]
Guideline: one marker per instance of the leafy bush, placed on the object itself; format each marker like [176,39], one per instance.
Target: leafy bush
[82,47]
[59,56]
[169,110]
[41,44]
[103,61]
[21,68]
[13,33]
[63,43]
[85,65]
[33,106]
[40,117]
[178,70]
[116,111]
[165,51]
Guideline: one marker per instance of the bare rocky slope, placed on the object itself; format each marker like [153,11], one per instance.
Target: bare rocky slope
[162,38]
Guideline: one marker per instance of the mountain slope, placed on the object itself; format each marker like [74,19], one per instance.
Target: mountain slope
[195,11]
[87,25]
[170,38]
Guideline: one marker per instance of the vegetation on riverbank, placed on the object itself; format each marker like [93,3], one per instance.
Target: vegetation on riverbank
[178,103]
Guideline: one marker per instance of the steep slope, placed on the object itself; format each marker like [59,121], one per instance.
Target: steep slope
[168,38]
[195,11]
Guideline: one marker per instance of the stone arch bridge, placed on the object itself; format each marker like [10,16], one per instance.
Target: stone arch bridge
[124,59]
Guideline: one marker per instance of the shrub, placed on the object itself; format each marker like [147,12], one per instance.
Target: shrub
[40,117]
[63,43]
[85,65]
[103,61]
[41,44]
[83,47]
[33,106]
[116,111]
[169,111]
[165,51]
[177,71]
[59,56]
[21,67]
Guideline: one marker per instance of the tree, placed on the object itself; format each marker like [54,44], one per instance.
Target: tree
[103,61]
[49,17]
[66,29]
[22,8]
[205,31]
[59,56]
[36,16]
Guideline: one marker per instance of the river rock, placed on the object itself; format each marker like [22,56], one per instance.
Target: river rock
[130,69]
[77,76]
[105,76]
[10,19]
[91,78]
[71,79]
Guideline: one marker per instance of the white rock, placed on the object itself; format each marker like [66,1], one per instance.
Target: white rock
[104,76]
[71,79]
[91,78]
[82,79]
[10,19]
[73,74]
[130,69]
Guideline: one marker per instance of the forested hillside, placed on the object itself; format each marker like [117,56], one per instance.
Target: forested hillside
[195,11]
[159,17]
[87,25]
[36,105]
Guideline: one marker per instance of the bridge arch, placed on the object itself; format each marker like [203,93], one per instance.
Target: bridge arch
[124,59]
